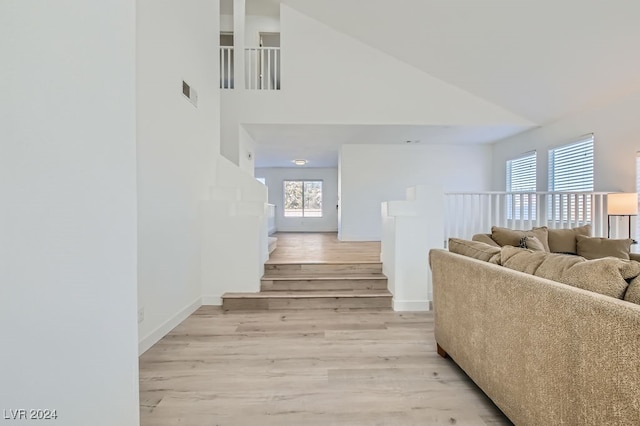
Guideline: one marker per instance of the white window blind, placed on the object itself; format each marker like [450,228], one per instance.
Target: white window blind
[521,173]
[521,177]
[571,170]
[571,166]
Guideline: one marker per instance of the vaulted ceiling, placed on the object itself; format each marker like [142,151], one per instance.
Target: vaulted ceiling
[539,59]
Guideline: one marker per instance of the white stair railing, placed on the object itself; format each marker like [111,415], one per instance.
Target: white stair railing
[271,218]
[262,68]
[226,67]
[469,213]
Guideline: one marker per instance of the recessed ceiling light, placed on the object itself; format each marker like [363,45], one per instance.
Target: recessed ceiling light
[299,162]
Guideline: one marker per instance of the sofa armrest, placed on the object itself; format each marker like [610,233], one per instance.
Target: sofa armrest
[541,350]
[634,256]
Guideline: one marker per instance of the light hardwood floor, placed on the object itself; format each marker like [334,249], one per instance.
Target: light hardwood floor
[319,367]
[322,247]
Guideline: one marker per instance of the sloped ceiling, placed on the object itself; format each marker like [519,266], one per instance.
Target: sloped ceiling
[540,59]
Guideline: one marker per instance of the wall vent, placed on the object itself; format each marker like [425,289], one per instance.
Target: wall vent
[190,93]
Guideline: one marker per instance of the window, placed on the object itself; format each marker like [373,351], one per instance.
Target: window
[571,170]
[521,177]
[302,198]
[262,180]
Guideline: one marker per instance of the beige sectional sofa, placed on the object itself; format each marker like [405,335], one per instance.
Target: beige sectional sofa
[546,352]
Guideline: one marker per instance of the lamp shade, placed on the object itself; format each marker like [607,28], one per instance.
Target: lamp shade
[624,204]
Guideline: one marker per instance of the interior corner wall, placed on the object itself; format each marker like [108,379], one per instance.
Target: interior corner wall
[178,146]
[68,216]
[274,179]
[616,130]
[371,174]
[246,151]
[255,24]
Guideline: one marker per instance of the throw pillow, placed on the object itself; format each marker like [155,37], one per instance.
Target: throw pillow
[564,240]
[596,248]
[511,237]
[606,276]
[475,249]
[532,243]
[485,238]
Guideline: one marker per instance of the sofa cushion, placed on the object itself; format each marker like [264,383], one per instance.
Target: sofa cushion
[511,237]
[606,276]
[564,240]
[520,259]
[596,248]
[477,250]
[542,264]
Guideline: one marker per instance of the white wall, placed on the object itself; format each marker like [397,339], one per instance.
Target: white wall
[234,240]
[254,25]
[226,23]
[274,178]
[246,151]
[68,216]
[617,139]
[371,174]
[177,149]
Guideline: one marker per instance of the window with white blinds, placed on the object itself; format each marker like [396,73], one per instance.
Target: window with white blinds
[571,166]
[521,177]
[521,173]
[571,170]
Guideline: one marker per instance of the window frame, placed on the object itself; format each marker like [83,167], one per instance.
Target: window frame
[303,181]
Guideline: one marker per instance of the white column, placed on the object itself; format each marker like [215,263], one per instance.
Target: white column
[410,229]
[238,43]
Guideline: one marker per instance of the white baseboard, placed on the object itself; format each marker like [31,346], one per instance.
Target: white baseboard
[212,300]
[152,338]
[346,237]
[411,305]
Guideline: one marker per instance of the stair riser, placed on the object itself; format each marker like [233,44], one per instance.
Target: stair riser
[243,304]
[319,284]
[322,269]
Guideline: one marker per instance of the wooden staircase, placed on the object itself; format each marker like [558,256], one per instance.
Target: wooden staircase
[316,285]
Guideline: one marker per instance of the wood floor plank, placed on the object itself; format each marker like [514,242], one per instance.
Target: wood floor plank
[321,367]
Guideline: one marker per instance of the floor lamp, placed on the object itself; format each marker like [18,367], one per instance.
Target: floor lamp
[623,204]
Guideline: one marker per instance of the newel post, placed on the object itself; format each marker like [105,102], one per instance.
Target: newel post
[410,229]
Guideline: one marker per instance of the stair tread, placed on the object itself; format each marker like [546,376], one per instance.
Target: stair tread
[309,294]
[323,277]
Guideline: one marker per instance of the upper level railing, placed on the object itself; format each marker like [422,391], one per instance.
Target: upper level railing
[226,67]
[262,68]
[467,213]
[271,218]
